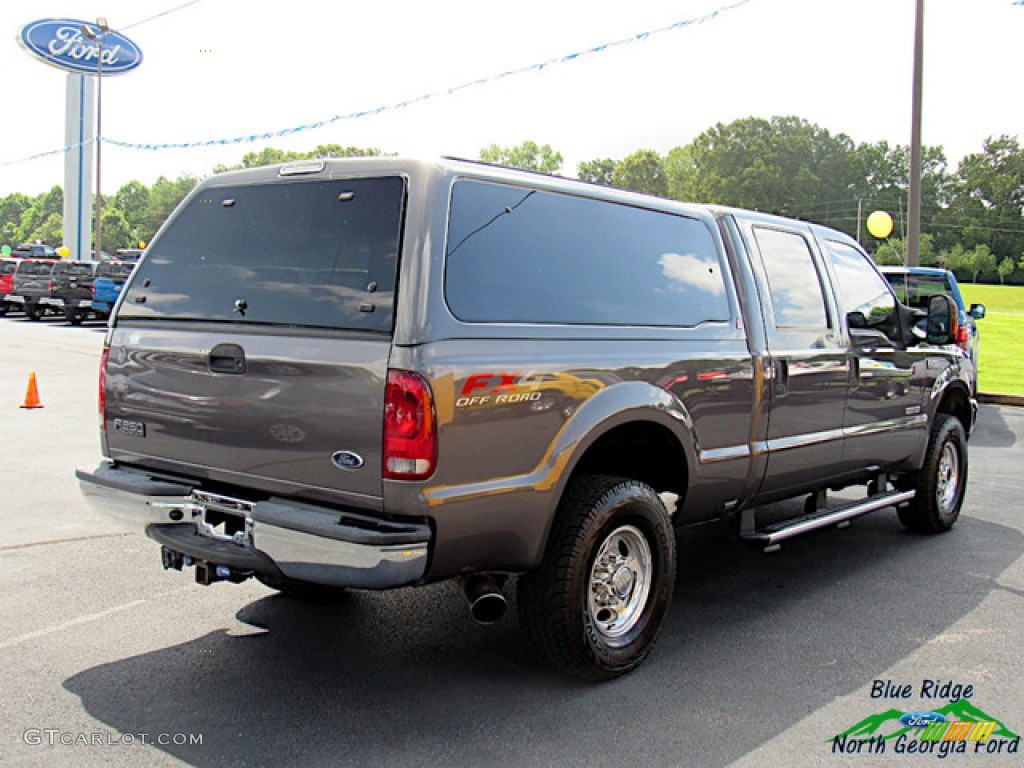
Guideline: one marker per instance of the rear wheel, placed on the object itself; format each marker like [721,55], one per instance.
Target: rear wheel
[941,482]
[595,606]
[74,316]
[33,312]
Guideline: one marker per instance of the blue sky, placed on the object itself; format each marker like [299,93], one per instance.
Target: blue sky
[222,68]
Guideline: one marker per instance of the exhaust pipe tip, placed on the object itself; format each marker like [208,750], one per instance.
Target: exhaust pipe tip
[487,605]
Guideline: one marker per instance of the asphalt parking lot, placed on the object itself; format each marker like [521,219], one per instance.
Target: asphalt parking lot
[108,660]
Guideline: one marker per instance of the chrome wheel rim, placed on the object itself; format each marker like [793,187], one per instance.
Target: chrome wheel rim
[948,485]
[620,582]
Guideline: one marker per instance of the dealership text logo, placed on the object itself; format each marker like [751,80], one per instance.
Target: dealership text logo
[957,727]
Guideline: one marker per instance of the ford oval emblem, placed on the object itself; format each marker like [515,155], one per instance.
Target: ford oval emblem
[921,719]
[347,460]
[60,43]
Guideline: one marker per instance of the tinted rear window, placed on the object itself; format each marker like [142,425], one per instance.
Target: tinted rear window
[78,269]
[528,256]
[7,267]
[915,290]
[114,270]
[35,268]
[307,253]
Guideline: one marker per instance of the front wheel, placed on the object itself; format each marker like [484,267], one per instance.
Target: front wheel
[595,606]
[941,482]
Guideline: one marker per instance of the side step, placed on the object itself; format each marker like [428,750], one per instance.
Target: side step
[772,536]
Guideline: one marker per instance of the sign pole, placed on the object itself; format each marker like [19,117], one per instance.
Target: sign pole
[78,137]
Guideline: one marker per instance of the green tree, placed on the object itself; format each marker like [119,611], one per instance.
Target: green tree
[527,156]
[597,171]
[979,260]
[785,165]
[132,200]
[50,231]
[989,197]
[642,171]
[336,150]
[681,172]
[1005,269]
[883,180]
[117,233]
[12,208]
[894,252]
[34,220]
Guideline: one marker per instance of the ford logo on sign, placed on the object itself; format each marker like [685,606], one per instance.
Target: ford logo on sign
[60,42]
[921,719]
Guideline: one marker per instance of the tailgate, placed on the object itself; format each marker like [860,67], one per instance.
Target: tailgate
[251,344]
[257,410]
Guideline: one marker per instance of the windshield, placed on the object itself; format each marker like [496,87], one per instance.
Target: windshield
[306,253]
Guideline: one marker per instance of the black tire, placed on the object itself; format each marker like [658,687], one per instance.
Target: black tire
[32,312]
[74,316]
[3,308]
[941,481]
[579,615]
[302,590]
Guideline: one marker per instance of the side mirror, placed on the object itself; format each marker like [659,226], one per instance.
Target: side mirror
[942,320]
[977,311]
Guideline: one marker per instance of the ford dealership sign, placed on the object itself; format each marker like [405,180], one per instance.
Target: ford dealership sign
[60,42]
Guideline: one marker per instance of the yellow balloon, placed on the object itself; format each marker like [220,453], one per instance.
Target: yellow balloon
[880,224]
[63,251]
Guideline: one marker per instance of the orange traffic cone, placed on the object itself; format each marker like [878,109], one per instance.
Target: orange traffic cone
[32,393]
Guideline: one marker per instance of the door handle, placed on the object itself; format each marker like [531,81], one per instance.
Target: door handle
[227,358]
[781,366]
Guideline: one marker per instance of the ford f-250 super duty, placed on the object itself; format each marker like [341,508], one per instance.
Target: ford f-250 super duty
[374,373]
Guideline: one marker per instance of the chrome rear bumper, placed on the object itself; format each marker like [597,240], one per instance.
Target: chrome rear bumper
[272,538]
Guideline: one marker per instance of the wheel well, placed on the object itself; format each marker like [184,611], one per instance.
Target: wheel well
[641,451]
[956,403]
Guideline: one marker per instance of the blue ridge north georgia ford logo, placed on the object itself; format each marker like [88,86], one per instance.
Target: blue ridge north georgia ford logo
[60,43]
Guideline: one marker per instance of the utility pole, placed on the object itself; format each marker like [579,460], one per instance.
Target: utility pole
[914,203]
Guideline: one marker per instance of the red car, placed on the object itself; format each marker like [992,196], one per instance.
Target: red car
[7,267]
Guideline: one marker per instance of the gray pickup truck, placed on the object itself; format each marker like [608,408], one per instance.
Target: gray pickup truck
[376,373]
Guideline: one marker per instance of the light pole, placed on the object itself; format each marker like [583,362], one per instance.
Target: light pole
[104,28]
[914,203]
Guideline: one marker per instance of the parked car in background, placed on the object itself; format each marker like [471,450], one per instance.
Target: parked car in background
[33,286]
[106,286]
[7,267]
[72,289]
[914,286]
[128,254]
[34,251]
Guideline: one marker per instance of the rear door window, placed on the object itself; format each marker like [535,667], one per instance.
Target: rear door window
[519,255]
[308,253]
[796,289]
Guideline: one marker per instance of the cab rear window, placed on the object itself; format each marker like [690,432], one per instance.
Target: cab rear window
[309,253]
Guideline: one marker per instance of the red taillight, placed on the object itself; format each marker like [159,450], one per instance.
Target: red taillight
[104,357]
[963,337]
[410,428]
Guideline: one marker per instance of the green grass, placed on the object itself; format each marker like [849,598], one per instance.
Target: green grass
[1001,355]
